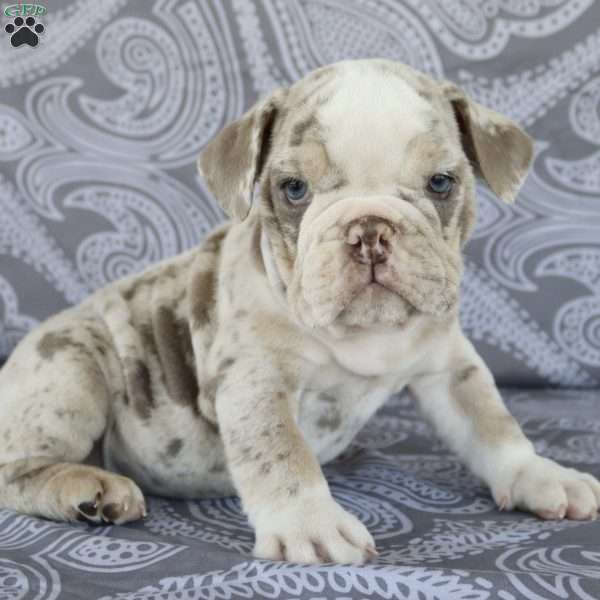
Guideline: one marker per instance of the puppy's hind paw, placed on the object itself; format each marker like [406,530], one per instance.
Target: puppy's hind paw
[96,496]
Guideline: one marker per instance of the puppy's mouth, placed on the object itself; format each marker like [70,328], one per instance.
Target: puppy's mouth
[374,279]
[379,280]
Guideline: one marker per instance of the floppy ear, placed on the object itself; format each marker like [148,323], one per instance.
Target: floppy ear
[231,163]
[498,148]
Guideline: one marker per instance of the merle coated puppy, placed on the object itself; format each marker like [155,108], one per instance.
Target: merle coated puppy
[241,365]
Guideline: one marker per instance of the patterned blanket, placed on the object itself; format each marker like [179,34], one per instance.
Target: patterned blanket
[439,535]
[102,121]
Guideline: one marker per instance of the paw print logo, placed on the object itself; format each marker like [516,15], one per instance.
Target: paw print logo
[24,31]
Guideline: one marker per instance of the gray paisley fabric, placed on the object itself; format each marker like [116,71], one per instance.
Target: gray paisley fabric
[100,126]
[438,532]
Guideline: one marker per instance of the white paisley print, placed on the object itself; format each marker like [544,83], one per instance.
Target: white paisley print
[438,532]
[100,126]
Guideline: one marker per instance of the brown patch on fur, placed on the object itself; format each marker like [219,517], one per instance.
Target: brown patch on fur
[465,374]
[301,128]
[139,389]
[337,185]
[256,249]
[226,363]
[466,219]
[174,344]
[174,447]
[207,400]
[137,285]
[208,396]
[331,421]
[445,209]
[214,241]
[54,342]
[147,336]
[492,423]
[217,467]
[202,297]
[209,390]
[170,272]
[327,398]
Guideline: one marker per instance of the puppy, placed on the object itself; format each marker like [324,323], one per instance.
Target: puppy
[241,365]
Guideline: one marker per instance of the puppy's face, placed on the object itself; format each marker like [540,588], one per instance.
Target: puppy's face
[366,189]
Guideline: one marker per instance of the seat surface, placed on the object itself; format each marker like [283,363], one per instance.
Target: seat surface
[437,530]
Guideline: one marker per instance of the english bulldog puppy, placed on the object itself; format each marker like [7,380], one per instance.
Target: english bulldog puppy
[242,365]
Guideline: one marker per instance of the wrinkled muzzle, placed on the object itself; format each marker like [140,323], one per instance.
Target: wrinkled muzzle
[372,260]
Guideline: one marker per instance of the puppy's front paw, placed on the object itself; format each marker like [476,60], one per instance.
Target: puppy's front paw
[314,531]
[550,491]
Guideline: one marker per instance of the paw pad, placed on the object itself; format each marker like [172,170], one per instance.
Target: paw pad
[24,31]
[111,512]
[88,509]
[96,512]
[112,507]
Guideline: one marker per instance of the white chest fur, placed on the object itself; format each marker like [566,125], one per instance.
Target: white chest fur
[334,405]
[384,352]
[361,371]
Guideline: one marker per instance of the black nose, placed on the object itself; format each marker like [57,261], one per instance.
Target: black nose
[369,240]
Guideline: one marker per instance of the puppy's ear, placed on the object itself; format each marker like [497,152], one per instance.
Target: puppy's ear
[231,163]
[498,148]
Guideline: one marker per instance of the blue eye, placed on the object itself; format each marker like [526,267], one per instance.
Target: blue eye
[440,184]
[295,190]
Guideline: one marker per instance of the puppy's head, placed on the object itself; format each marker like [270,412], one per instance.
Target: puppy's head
[365,173]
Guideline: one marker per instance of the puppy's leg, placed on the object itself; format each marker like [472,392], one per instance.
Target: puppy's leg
[468,413]
[280,482]
[54,406]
